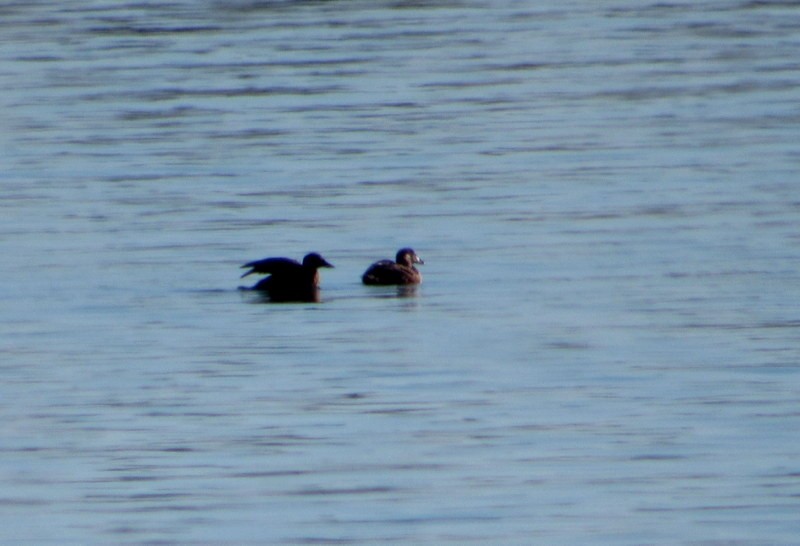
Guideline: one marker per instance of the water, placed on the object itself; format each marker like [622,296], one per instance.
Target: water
[605,348]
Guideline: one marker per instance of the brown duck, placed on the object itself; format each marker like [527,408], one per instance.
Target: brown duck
[289,280]
[400,271]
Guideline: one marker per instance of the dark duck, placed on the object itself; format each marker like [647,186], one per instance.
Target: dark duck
[289,280]
[400,271]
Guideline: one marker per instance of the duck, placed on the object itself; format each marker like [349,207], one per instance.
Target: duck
[400,271]
[289,280]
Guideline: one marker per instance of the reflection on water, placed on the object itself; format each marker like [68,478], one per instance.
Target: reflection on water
[255,295]
[401,291]
[604,349]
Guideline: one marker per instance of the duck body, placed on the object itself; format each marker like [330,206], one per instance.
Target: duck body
[401,271]
[289,280]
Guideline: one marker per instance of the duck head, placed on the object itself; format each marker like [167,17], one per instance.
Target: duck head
[315,260]
[407,256]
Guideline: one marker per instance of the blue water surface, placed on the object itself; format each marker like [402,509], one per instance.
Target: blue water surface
[606,345]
